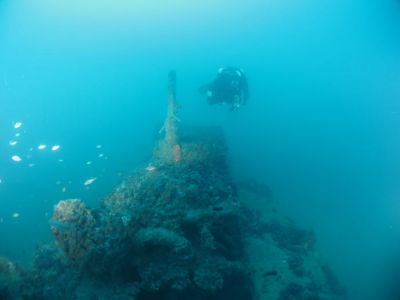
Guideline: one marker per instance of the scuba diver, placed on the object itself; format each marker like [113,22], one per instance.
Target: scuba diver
[229,87]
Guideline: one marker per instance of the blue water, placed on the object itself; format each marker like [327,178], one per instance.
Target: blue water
[321,127]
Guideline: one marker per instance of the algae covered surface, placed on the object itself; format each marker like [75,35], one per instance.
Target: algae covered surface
[178,227]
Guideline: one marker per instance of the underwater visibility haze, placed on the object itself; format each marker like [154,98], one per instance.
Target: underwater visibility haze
[107,174]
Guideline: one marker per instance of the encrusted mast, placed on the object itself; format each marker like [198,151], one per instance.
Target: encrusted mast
[170,123]
[171,150]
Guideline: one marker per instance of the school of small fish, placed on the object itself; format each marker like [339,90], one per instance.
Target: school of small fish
[24,158]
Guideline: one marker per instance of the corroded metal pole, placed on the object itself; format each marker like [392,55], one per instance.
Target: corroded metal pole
[170,122]
[170,148]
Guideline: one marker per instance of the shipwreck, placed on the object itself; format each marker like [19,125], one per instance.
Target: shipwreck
[178,228]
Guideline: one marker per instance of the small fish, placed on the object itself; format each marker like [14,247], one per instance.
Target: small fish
[98,146]
[15,215]
[42,147]
[59,225]
[218,208]
[101,155]
[17,125]
[63,190]
[31,165]
[17,134]
[270,273]
[55,147]
[13,143]
[88,162]
[16,158]
[150,168]
[89,181]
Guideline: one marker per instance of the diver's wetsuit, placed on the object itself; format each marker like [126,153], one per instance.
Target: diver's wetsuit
[230,87]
